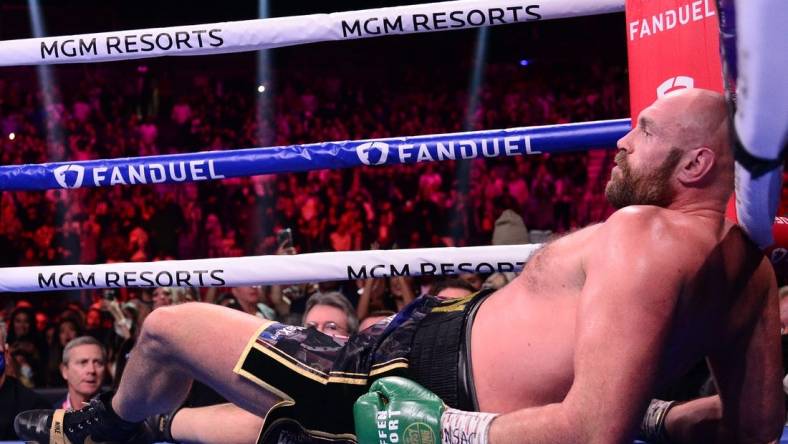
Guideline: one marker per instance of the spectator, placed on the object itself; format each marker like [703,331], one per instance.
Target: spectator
[66,329]
[98,323]
[83,368]
[373,296]
[22,328]
[402,290]
[249,298]
[42,323]
[330,313]
[164,296]
[509,230]
[26,346]
[14,397]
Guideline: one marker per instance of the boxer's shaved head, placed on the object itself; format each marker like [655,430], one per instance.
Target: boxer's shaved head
[679,143]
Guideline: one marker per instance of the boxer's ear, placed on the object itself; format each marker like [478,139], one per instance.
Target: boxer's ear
[695,165]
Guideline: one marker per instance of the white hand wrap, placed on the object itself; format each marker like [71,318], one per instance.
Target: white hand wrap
[459,427]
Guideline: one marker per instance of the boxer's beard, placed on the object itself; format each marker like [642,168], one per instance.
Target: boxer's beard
[642,188]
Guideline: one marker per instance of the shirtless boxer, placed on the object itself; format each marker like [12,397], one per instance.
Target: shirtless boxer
[568,352]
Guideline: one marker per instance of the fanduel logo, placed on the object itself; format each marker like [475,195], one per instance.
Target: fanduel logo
[378,153]
[72,176]
[674,84]
[672,18]
[365,148]
[63,177]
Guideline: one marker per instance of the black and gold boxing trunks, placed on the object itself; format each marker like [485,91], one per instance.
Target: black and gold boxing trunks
[319,377]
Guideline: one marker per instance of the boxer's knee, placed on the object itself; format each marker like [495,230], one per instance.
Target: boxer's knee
[160,328]
[166,328]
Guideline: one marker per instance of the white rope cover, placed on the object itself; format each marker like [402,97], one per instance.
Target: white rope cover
[256,270]
[761,119]
[250,35]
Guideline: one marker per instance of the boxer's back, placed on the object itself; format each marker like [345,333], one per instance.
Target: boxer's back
[524,337]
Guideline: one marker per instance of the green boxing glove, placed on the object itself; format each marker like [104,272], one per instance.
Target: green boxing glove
[397,410]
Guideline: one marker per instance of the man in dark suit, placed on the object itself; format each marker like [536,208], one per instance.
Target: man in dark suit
[14,397]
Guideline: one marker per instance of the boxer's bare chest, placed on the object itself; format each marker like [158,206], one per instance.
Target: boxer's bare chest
[529,325]
[557,267]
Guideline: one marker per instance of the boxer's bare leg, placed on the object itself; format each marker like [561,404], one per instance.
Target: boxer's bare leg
[200,425]
[185,342]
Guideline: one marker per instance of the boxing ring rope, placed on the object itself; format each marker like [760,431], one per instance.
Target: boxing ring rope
[177,168]
[272,269]
[252,35]
[269,33]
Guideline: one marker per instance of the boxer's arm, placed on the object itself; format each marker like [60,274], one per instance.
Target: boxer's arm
[633,278]
[698,420]
[748,372]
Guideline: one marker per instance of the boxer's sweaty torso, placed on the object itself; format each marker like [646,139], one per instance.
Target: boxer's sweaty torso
[524,336]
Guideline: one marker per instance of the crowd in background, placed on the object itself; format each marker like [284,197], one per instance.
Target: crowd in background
[134,109]
[109,111]
[427,204]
